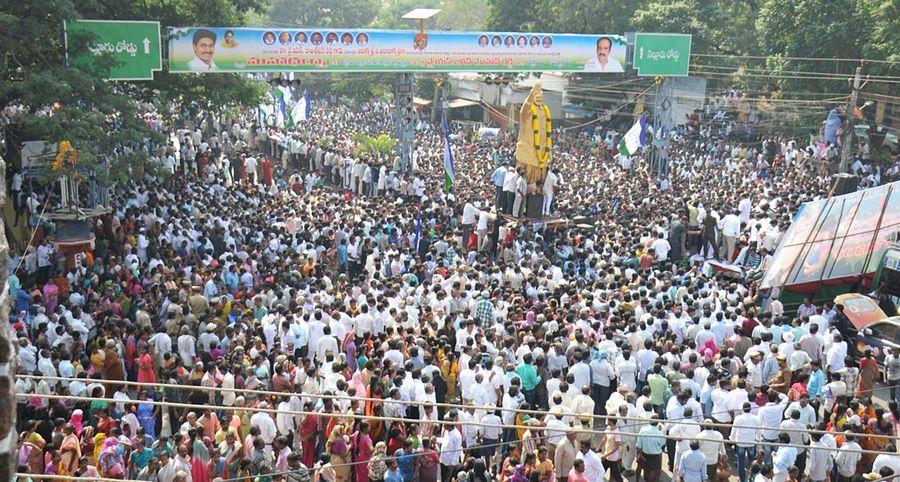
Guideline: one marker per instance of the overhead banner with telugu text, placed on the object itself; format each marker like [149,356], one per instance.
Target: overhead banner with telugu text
[223,49]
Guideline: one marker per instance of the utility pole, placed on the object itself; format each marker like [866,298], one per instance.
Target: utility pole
[847,150]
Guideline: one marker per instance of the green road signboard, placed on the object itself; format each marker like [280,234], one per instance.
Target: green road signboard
[134,45]
[664,54]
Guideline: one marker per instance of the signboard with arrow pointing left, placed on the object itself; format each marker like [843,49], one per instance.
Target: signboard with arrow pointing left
[133,45]
[662,54]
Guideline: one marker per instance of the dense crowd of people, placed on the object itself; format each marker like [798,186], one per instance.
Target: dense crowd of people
[283,307]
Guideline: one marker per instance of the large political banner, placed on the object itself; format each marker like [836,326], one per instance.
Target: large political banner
[193,49]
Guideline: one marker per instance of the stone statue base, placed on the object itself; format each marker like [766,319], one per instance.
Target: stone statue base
[534,206]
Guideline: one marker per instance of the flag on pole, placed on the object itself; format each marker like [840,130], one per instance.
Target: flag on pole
[282,108]
[265,113]
[277,97]
[448,155]
[635,138]
[300,112]
[418,231]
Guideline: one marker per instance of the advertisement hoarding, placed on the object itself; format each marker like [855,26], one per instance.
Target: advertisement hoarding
[226,49]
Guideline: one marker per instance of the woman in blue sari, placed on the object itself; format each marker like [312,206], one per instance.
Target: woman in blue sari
[146,415]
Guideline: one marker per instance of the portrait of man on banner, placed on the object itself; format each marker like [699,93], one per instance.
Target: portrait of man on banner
[603,62]
[204,44]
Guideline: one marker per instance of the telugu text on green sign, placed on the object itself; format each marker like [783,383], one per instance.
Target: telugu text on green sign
[134,45]
[664,54]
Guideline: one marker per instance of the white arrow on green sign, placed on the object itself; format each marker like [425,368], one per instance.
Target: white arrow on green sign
[135,46]
[664,54]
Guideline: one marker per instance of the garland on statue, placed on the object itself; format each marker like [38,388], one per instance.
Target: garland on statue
[66,153]
[542,152]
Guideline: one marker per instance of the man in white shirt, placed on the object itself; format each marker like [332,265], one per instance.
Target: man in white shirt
[550,183]
[731,229]
[204,45]
[250,164]
[603,62]
[888,459]
[469,215]
[509,190]
[593,465]
[481,228]
[326,344]
[521,190]
[798,437]
[770,417]
[661,248]
[712,446]
[847,458]
[451,448]
[820,460]
[267,428]
[837,354]
[745,434]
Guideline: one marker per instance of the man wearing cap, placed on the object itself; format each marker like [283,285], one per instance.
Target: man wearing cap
[781,382]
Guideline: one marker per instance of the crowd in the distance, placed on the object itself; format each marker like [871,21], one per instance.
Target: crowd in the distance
[317,310]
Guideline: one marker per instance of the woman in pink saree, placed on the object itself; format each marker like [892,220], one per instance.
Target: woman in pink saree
[77,421]
[709,349]
[363,448]
[51,297]
[360,386]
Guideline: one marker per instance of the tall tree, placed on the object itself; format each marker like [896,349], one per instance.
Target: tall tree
[454,15]
[718,26]
[323,13]
[813,28]
[512,15]
[73,103]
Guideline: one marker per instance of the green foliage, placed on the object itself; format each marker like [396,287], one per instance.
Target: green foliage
[326,141]
[95,115]
[381,146]
[513,15]
[706,20]
[350,87]
[323,13]
[813,28]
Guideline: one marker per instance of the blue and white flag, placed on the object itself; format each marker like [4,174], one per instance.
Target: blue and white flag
[300,112]
[418,231]
[635,138]
[448,155]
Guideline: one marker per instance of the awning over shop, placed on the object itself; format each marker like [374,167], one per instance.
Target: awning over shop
[457,103]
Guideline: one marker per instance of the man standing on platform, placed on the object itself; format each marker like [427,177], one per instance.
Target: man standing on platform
[521,190]
[550,183]
[510,180]
[497,179]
